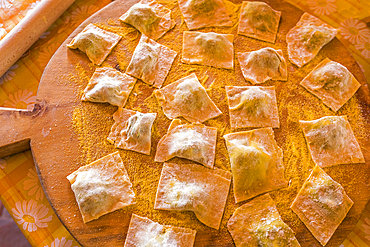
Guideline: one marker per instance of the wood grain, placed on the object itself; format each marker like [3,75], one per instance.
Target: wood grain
[57,146]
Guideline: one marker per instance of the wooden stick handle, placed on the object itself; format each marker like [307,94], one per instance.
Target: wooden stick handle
[28,30]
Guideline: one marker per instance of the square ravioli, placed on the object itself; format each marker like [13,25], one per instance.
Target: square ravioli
[151,62]
[321,204]
[187,98]
[194,188]
[145,232]
[252,106]
[189,141]
[307,38]
[109,85]
[102,187]
[258,223]
[258,20]
[204,13]
[132,130]
[262,65]
[332,83]
[95,42]
[150,18]
[212,49]
[331,141]
[256,163]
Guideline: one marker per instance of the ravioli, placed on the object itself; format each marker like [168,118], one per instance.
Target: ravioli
[150,18]
[204,13]
[132,130]
[256,163]
[194,188]
[252,106]
[189,141]
[102,187]
[109,85]
[331,141]
[95,42]
[262,65]
[151,62]
[332,83]
[258,223]
[258,20]
[307,38]
[321,204]
[145,232]
[212,49]
[187,98]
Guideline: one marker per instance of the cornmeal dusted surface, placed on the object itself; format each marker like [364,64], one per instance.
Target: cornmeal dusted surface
[294,104]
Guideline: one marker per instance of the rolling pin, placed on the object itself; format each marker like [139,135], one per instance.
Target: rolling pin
[28,30]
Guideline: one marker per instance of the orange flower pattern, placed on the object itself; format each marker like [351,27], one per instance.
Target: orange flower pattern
[32,185]
[322,7]
[6,4]
[354,30]
[61,243]
[9,74]
[82,13]
[46,53]
[31,215]
[23,99]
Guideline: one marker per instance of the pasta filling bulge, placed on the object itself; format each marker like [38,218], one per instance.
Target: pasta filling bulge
[260,16]
[273,232]
[93,192]
[265,58]
[249,165]
[144,60]
[188,143]
[189,96]
[315,38]
[137,128]
[93,43]
[332,77]
[143,18]
[202,8]
[254,102]
[108,90]
[182,195]
[213,45]
[327,133]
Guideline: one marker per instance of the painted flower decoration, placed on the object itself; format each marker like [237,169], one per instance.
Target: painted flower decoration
[354,30]
[31,215]
[46,53]
[366,226]
[2,163]
[82,13]
[32,185]
[6,4]
[364,47]
[23,99]
[9,74]
[61,243]
[322,7]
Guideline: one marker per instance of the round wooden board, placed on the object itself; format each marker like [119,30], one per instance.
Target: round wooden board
[66,134]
